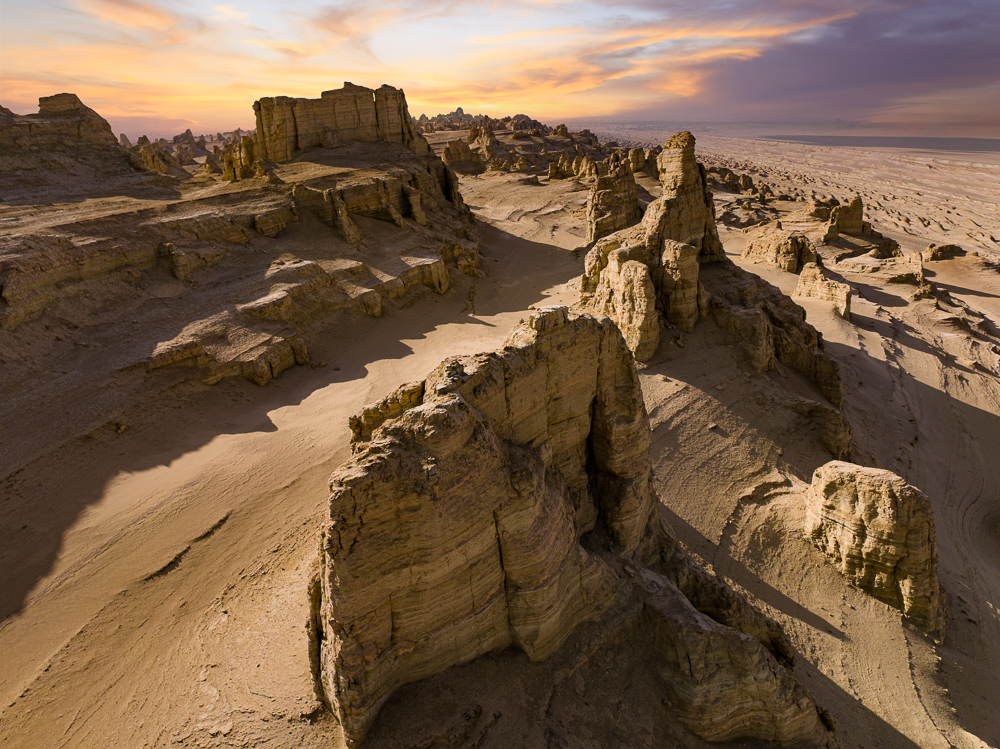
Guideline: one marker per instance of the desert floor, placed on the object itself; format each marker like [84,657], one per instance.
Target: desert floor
[158,596]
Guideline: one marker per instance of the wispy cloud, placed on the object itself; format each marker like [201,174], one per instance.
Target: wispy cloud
[555,59]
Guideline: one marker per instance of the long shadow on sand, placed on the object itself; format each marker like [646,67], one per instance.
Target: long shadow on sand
[948,451]
[38,509]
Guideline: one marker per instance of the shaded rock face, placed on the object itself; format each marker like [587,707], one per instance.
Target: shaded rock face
[505,500]
[287,126]
[613,204]
[787,250]
[879,531]
[773,328]
[814,284]
[65,142]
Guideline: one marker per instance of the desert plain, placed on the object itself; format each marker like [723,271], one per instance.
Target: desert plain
[196,334]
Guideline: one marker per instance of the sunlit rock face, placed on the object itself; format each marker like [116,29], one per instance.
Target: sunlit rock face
[505,500]
[879,531]
[287,126]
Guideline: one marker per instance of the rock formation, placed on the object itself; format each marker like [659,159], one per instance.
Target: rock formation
[459,156]
[772,329]
[65,143]
[152,157]
[505,500]
[880,532]
[613,204]
[936,252]
[287,126]
[814,284]
[674,242]
[787,250]
[676,234]
[850,218]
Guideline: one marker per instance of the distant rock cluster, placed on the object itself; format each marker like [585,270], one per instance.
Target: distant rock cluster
[459,120]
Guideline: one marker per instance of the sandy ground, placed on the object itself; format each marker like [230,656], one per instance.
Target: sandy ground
[167,604]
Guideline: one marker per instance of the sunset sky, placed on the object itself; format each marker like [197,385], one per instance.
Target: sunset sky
[925,67]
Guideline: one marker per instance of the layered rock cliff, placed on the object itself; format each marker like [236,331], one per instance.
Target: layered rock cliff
[505,500]
[613,204]
[287,126]
[879,531]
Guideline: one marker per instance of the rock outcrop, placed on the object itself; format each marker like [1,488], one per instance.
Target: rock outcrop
[674,242]
[504,501]
[937,252]
[850,218]
[879,530]
[814,284]
[613,204]
[676,234]
[64,144]
[152,157]
[772,328]
[287,126]
[789,251]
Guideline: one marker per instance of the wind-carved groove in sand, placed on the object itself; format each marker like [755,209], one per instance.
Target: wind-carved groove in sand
[174,563]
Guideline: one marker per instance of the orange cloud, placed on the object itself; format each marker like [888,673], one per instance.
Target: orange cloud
[129,13]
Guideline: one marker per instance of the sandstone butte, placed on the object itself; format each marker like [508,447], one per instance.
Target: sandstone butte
[506,499]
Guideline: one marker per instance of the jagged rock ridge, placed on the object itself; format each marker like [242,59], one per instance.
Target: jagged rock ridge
[505,500]
[654,274]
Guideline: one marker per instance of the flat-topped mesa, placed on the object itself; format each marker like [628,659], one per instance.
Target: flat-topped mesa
[461,525]
[63,122]
[287,126]
[880,532]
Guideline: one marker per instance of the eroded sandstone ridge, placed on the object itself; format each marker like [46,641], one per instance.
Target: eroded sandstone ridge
[880,532]
[505,500]
[670,269]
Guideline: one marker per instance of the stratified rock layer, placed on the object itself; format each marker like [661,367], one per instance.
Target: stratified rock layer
[613,204]
[880,532]
[287,126]
[507,499]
